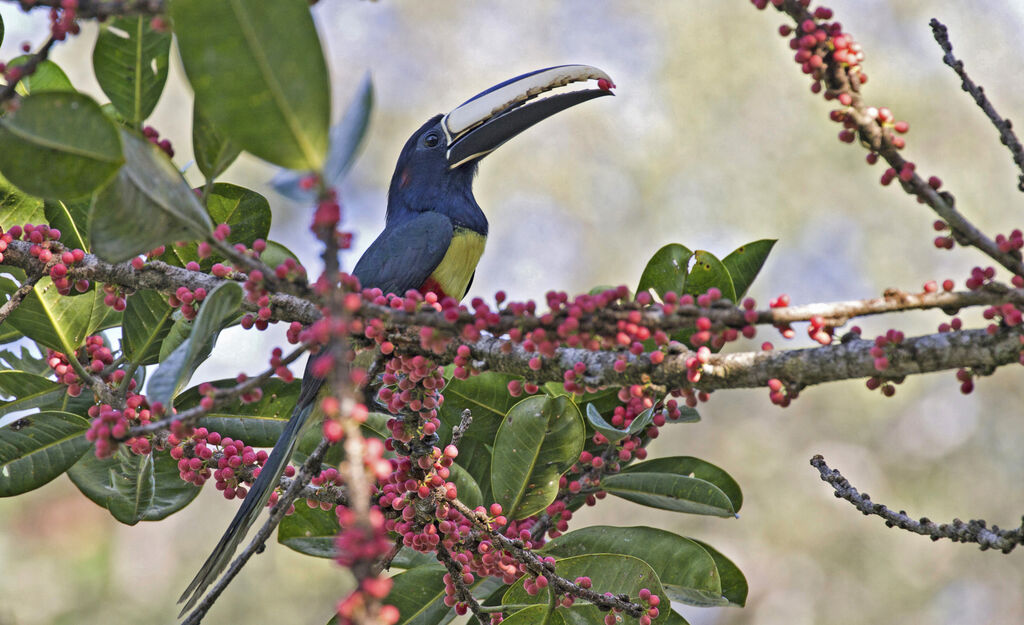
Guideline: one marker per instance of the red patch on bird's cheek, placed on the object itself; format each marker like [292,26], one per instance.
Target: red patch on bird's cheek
[404,179]
[430,285]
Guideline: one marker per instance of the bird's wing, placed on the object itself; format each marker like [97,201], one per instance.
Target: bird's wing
[404,256]
[401,258]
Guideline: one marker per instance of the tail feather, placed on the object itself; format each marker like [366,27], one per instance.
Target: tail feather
[258,495]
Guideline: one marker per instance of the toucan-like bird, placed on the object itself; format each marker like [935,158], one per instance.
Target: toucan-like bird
[433,236]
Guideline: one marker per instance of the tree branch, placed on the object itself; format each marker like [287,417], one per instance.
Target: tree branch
[1004,126]
[957,531]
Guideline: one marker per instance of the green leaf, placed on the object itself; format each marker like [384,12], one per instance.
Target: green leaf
[133,488]
[39,447]
[275,254]
[247,212]
[535,615]
[1,28]
[310,531]
[48,76]
[486,396]
[469,490]
[147,205]
[17,208]
[174,372]
[745,262]
[612,433]
[147,320]
[666,271]
[475,457]
[686,570]
[707,272]
[258,424]
[214,152]
[419,595]
[27,390]
[59,144]
[130,63]
[346,140]
[72,219]
[410,558]
[693,467]
[619,574]
[259,74]
[26,361]
[734,584]
[669,491]
[56,321]
[539,439]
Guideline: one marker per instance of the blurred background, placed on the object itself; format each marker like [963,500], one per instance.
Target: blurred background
[713,140]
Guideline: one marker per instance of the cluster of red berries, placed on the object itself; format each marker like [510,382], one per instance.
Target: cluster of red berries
[110,425]
[412,384]
[95,358]
[45,246]
[231,465]
[62,20]
[780,393]
[153,136]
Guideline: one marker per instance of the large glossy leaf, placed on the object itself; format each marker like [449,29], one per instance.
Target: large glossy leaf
[486,396]
[38,448]
[666,271]
[310,531]
[147,320]
[612,433]
[130,63]
[618,574]
[71,217]
[669,491]
[18,208]
[247,212]
[147,205]
[346,139]
[469,490]
[259,74]
[693,467]
[475,457]
[686,569]
[707,272]
[48,76]
[59,144]
[27,390]
[177,369]
[419,595]
[409,559]
[258,424]
[133,488]
[214,152]
[535,615]
[26,361]
[56,321]
[539,439]
[745,262]
[734,583]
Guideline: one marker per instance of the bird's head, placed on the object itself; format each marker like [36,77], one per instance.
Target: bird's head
[436,167]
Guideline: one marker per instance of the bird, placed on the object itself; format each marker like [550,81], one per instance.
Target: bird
[434,234]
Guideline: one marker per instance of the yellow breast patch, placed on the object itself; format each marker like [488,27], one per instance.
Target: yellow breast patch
[459,262]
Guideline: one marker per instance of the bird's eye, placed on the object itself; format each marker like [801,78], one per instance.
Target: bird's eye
[431,140]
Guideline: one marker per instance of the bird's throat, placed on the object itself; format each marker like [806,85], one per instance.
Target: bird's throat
[453,275]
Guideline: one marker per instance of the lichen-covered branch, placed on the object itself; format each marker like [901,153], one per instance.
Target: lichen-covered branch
[976,531]
[1005,128]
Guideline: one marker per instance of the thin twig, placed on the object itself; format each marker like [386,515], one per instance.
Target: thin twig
[26,69]
[16,298]
[1004,126]
[460,430]
[957,531]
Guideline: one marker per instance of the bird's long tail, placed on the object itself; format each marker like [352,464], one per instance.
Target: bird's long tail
[259,494]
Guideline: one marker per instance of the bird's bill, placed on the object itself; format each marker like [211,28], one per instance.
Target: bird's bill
[483,123]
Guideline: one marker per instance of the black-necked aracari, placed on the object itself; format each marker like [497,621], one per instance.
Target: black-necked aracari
[433,236]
